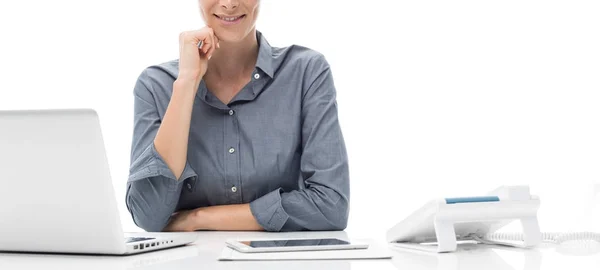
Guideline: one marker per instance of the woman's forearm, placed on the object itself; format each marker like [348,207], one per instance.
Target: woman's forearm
[171,140]
[234,217]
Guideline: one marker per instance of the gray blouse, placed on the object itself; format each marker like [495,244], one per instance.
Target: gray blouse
[277,145]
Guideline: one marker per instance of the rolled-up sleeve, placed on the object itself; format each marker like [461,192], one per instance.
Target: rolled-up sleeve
[152,189]
[323,203]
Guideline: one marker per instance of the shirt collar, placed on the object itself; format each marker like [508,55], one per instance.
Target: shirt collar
[265,55]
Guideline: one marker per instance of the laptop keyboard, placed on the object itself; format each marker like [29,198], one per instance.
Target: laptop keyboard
[136,239]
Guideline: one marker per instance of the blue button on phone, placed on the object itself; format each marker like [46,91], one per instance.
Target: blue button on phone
[472,199]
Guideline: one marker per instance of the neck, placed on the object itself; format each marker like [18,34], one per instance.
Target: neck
[234,60]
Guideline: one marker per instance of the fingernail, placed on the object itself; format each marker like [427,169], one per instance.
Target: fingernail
[218,45]
[209,57]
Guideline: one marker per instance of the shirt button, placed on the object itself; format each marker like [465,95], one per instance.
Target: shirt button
[231,112]
[257,76]
[231,150]
[233,189]
[189,186]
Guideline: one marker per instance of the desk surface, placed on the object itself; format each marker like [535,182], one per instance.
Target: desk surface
[205,251]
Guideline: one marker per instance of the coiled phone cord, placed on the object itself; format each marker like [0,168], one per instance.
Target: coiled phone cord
[555,238]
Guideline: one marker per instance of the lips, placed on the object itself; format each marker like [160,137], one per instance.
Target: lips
[230,19]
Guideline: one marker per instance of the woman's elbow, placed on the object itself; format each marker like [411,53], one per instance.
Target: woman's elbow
[337,217]
[149,225]
[144,216]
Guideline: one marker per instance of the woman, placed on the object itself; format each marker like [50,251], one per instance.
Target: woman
[237,135]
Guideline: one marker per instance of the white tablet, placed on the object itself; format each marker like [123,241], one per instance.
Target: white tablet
[282,245]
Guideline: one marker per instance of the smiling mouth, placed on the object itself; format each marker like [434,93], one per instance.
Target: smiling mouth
[230,18]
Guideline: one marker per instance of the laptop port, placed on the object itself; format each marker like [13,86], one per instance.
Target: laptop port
[141,246]
[147,245]
[153,244]
[135,247]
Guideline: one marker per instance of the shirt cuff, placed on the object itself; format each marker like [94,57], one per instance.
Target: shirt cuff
[151,164]
[268,211]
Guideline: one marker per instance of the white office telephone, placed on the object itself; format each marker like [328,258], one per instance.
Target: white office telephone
[443,223]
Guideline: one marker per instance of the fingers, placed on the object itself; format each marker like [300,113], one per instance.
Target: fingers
[207,44]
[204,39]
[198,38]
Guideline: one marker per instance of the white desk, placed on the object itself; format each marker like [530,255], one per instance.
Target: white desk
[204,253]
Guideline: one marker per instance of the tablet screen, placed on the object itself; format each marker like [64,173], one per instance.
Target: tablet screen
[296,242]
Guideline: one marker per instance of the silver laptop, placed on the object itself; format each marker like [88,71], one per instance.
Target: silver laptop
[56,193]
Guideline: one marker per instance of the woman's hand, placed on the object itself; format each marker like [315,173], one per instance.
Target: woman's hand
[193,61]
[233,217]
[184,221]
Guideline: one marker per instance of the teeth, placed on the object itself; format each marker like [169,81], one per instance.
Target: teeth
[230,19]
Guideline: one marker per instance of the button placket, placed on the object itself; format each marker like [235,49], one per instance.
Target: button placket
[232,158]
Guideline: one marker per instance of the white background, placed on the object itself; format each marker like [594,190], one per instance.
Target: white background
[436,98]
